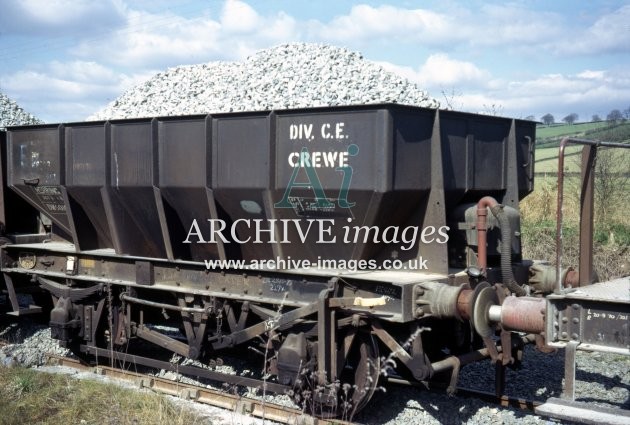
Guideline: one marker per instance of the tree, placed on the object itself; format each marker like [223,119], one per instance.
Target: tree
[452,100]
[530,118]
[496,110]
[596,118]
[626,113]
[614,116]
[548,119]
[571,118]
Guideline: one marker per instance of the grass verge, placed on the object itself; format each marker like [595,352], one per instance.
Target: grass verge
[611,239]
[32,397]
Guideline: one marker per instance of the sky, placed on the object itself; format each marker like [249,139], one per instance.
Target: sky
[63,60]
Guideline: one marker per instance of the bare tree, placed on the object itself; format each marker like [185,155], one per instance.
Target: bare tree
[614,116]
[571,118]
[530,118]
[626,113]
[495,109]
[596,118]
[548,119]
[451,98]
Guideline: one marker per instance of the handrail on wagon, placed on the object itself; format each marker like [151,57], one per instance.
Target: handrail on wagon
[586,206]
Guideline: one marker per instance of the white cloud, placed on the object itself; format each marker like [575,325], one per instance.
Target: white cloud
[585,92]
[75,79]
[60,17]
[365,23]
[591,75]
[157,43]
[84,72]
[239,17]
[513,25]
[107,66]
[451,29]
[165,39]
[467,87]
[609,34]
[71,90]
[441,71]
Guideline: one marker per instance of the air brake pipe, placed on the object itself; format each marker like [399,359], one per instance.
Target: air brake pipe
[506,237]
[482,229]
[453,363]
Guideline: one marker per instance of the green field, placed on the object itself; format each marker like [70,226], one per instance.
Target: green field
[604,131]
[559,130]
[548,140]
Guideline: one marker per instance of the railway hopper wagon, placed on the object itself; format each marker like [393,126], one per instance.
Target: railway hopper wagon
[342,244]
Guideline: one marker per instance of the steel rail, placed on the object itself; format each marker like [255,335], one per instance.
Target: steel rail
[258,408]
[240,404]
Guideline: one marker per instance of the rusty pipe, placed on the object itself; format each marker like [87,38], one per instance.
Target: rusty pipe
[454,363]
[471,356]
[482,229]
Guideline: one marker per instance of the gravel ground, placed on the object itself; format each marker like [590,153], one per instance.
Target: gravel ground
[293,75]
[601,378]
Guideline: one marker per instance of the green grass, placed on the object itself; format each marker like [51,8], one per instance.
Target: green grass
[611,237]
[612,198]
[618,233]
[31,397]
[544,152]
[547,159]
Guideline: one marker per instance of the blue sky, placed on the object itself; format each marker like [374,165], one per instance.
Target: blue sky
[63,60]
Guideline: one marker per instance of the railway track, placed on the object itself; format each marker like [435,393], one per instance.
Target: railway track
[518,403]
[239,404]
[258,408]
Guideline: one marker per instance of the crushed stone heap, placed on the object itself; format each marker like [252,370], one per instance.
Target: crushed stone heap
[293,75]
[12,114]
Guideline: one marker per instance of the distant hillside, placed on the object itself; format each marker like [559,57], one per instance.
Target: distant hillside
[601,130]
[548,139]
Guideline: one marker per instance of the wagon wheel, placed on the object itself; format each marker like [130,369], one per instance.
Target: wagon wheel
[357,381]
